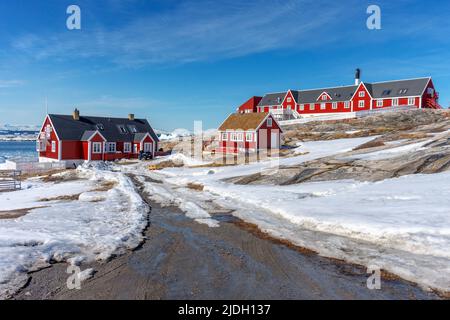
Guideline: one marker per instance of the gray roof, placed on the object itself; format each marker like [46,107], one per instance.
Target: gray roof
[80,130]
[413,87]
[272,99]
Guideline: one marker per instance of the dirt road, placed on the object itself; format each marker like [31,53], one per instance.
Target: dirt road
[183,259]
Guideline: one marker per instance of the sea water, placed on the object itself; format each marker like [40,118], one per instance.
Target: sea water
[17,150]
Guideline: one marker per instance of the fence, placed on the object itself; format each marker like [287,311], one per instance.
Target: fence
[329,117]
[34,166]
[10,180]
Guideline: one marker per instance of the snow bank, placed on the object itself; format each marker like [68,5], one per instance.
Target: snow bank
[62,230]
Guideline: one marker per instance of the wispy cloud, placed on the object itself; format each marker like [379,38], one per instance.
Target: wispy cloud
[193,31]
[11,83]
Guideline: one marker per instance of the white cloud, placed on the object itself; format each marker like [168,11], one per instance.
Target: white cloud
[194,31]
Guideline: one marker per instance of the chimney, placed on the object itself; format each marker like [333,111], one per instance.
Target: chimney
[357,77]
[131,117]
[76,114]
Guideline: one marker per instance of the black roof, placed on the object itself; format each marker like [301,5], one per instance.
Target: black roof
[388,89]
[78,130]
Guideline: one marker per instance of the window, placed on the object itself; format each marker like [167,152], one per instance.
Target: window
[395,102]
[40,146]
[110,147]
[100,126]
[289,107]
[249,136]
[132,129]
[279,100]
[240,136]
[97,147]
[411,101]
[379,103]
[269,122]
[224,136]
[311,107]
[302,107]
[335,105]
[122,129]
[323,106]
[362,94]
[53,146]
[402,91]
[48,131]
[289,99]
[127,147]
[324,97]
[347,104]
[386,92]
[362,104]
[233,136]
[430,91]
[148,147]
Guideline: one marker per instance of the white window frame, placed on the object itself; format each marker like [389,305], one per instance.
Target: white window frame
[302,107]
[312,107]
[334,105]
[96,147]
[324,97]
[361,104]
[108,148]
[289,107]
[127,147]
[380,103]
[224,136]
[269,122]
[323,106]
[53,146]
[347,105]
[395,102]
[233,136]
[411,101]
[289,99]
[249,136]
[240,136]
[362,94]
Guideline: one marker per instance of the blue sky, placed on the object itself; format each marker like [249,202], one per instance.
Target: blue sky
[174,62]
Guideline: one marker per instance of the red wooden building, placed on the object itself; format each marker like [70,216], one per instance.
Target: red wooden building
[249,132]
[250,105]
[75,139]
[414,93]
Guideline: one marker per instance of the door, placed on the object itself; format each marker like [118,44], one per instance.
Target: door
[135,148]
[148,147]
[274,140]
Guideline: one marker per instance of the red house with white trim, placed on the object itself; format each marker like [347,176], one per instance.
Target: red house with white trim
[75,139]
[414,93]
[249,132]
[250,105]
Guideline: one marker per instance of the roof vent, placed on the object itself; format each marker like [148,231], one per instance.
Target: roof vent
[76,114]
[131,116]
[357,77]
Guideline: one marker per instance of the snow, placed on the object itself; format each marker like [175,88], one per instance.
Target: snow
[71,231]
[402,224]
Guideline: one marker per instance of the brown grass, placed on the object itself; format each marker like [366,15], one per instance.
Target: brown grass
[61,198]
[195,186]
[14,214]
[105,186]
[60,178]
[370,144]
[413,135]
[46,174]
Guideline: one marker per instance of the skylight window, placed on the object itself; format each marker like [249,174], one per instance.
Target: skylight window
[122,129]
[386,92]
[132,129]
[402,91]
[100,126]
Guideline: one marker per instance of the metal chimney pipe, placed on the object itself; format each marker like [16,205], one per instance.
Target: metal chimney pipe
[76,114]
[357,76]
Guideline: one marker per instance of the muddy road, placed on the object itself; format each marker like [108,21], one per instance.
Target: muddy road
[182,259]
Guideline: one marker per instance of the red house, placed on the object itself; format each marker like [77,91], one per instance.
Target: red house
[249,132]
[250,105]
[414,93]
[75,139]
